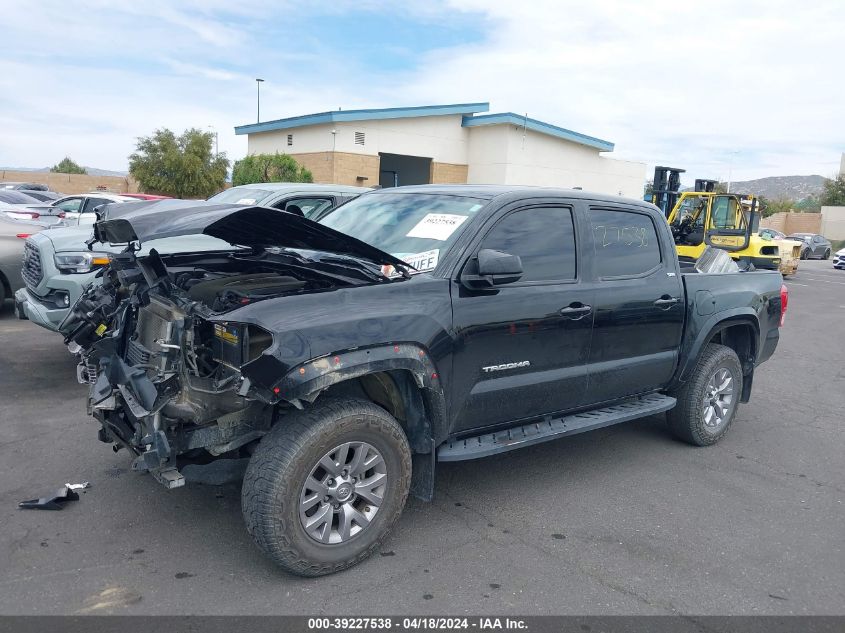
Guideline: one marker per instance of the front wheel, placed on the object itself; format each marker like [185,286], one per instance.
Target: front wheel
[803,254]
[325,486]
[826,254]
[708,401]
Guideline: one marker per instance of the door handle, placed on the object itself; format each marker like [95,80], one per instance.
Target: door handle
[666,302]
[575,311]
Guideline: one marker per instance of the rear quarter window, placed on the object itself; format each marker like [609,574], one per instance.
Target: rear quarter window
[625,243]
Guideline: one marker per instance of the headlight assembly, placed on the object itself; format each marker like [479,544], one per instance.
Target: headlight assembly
[80,262]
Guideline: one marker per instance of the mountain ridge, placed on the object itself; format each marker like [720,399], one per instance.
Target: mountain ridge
[92,171]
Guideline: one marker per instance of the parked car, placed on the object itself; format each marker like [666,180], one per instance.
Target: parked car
[813,245]
[12,236]
[37,190]
[79,209]
[414,325]
[839,259]
[24,186]
[312,200]
[12,201]
[772,234]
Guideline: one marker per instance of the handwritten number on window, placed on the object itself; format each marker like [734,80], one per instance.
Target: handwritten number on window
[633,236]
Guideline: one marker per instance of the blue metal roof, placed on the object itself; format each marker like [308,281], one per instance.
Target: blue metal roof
[537,126]
[362,115]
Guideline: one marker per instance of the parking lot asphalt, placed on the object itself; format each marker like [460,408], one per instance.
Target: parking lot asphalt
[624,520]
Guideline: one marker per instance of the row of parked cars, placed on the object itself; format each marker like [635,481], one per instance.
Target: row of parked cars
[813,245]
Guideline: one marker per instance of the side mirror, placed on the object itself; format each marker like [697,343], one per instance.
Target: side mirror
[492,268]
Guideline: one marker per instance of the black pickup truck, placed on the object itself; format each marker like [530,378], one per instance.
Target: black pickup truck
[416,325]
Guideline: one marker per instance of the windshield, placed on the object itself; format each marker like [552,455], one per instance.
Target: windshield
[798,236]
[241,195]
[414,227]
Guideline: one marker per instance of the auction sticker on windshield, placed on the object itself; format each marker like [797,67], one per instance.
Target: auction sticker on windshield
[437,226]
[422,262]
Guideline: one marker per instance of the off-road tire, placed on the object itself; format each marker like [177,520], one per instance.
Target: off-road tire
[270,495]
[826,254]
[686,420]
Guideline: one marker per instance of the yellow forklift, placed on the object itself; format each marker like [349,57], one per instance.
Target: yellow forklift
[704,217]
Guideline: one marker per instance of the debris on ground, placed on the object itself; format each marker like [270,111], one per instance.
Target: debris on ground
[54,502]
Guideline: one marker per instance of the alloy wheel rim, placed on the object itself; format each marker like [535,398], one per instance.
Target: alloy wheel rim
[718,399]
[343,493]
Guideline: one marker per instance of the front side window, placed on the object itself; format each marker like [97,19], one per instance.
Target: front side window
[625,243]
[544,239]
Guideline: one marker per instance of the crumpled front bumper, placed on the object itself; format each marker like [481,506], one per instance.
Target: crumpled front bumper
[47,313]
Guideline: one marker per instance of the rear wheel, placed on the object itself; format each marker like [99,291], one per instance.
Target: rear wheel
[708,402]
[325,486]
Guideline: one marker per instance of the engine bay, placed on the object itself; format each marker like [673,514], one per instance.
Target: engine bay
[163,367]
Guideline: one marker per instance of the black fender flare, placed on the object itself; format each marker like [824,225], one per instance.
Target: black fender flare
[711,327]
[306,380]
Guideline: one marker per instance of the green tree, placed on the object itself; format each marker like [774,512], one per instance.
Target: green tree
[183,166]
[810,204]
[778,205]
[269,168]
[834,192]
[67,166]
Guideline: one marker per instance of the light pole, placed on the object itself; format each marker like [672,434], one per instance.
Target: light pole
[216,147]
[258,83]
[730,169]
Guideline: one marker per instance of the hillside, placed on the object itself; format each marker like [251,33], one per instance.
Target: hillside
[775,187]
[92,171]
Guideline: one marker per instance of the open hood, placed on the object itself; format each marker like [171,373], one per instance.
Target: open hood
[236,224]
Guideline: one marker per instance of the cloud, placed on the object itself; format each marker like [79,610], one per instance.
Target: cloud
[752,88]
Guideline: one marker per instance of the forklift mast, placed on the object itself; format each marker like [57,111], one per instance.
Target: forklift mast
[666,187]
[705,185]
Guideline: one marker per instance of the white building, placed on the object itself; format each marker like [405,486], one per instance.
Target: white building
[445,144]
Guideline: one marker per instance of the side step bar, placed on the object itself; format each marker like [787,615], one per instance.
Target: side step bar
[552,428]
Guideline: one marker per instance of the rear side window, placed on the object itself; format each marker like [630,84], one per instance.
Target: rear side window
[92,203]
[625,243]
[69,204]
[544,238]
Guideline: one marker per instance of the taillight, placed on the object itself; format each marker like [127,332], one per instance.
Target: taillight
[784,301]
[23,236]
[62,215]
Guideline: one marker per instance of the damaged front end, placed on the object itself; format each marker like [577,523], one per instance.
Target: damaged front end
[165,368]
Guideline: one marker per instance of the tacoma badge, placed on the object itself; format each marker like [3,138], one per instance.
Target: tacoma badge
[503,366]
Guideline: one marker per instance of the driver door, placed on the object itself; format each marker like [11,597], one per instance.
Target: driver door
[522,348]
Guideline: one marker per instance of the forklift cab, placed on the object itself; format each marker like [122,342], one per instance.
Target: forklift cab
[705,218]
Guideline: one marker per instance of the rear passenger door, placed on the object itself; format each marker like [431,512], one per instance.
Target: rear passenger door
[521,348]
[638,303]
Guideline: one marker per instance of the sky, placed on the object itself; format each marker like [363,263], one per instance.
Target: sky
[741,89]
